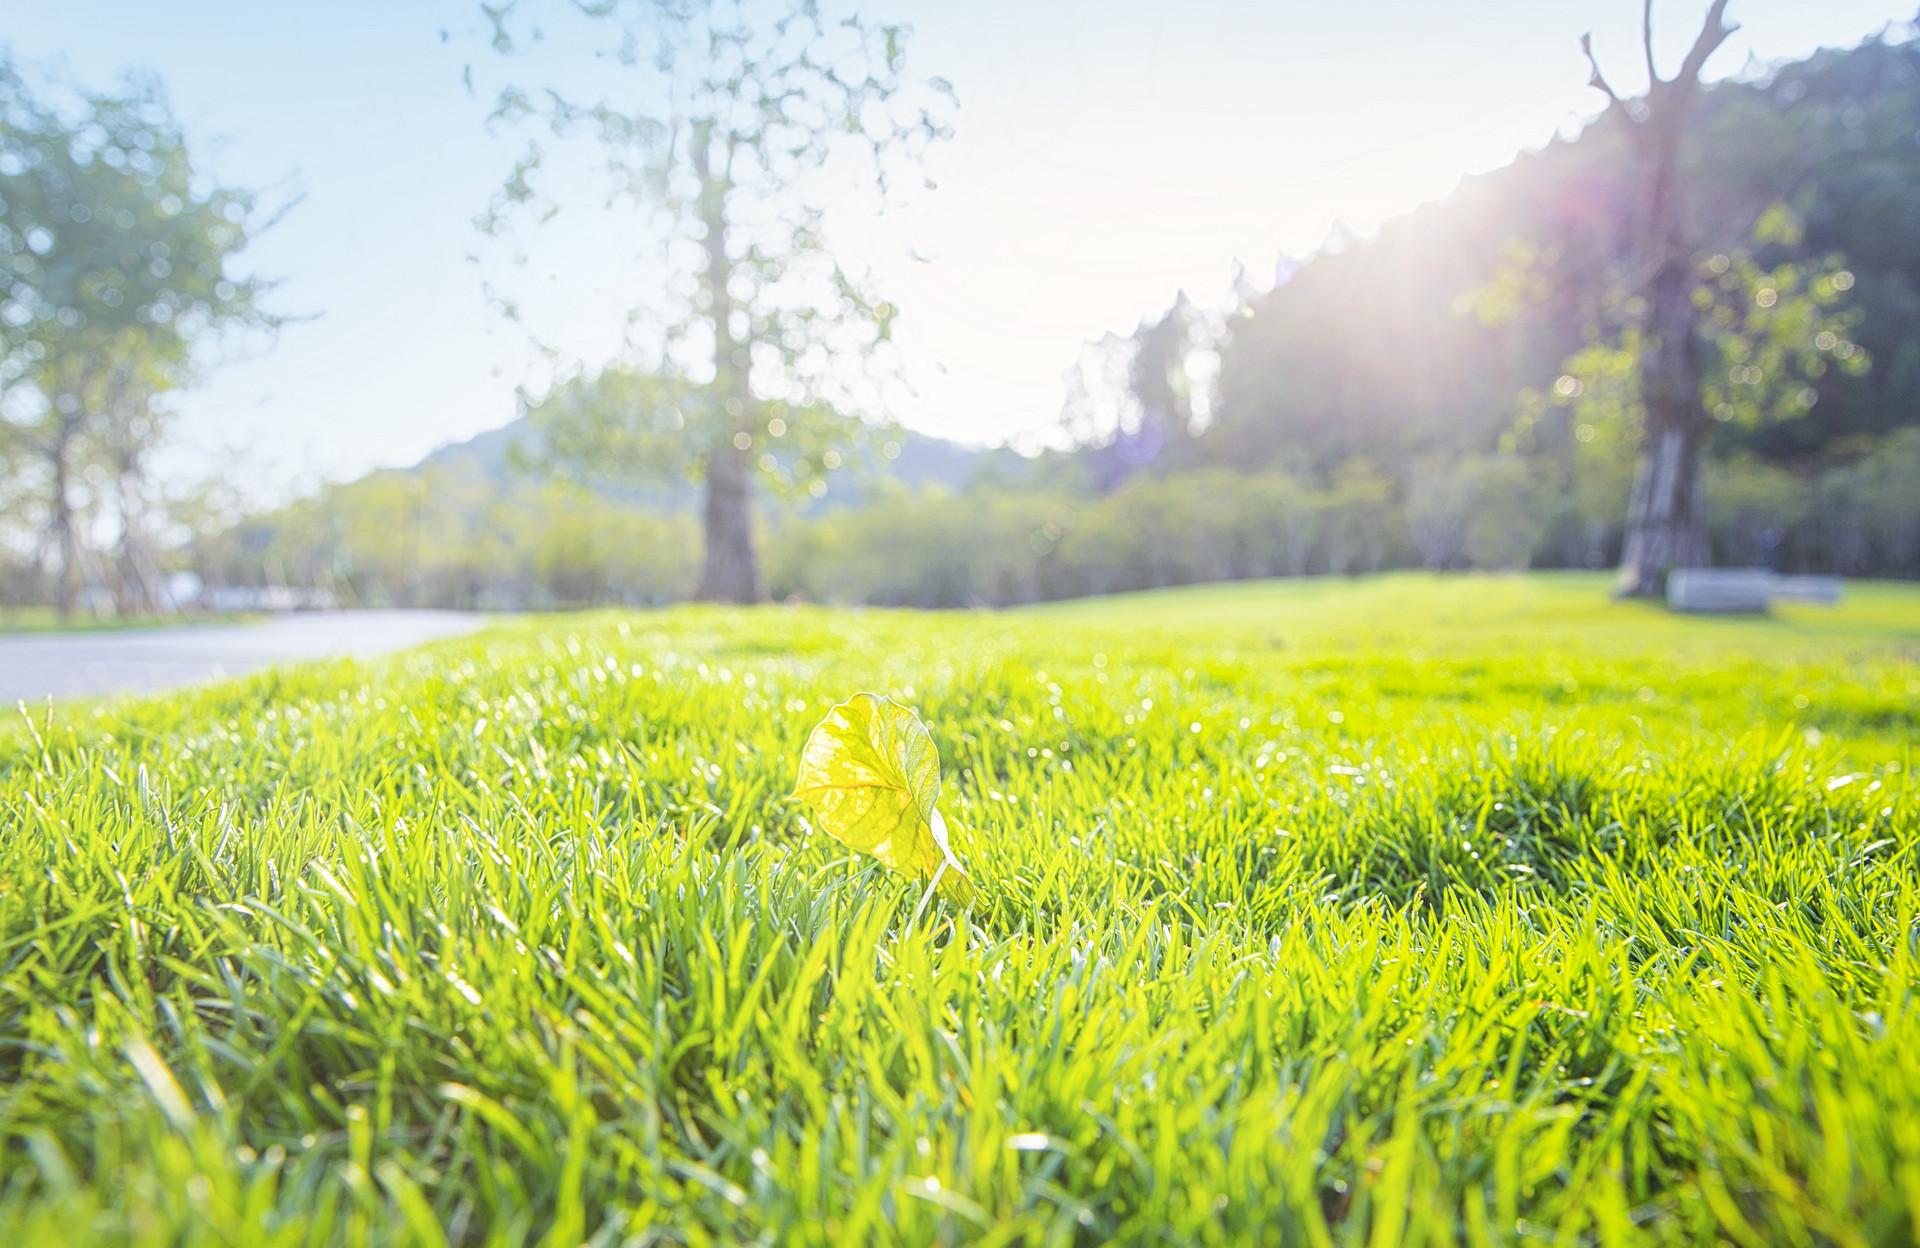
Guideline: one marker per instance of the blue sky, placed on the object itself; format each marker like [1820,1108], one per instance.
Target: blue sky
[1108,154]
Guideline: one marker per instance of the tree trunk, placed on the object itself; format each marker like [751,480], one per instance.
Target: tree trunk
[130,420]
[731,572]
[1666,518]
[137,589]
[66,534]
[1666,523]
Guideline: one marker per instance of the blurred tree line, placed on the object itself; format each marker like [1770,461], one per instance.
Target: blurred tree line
[1491,511]
[1464,390]
[446,537]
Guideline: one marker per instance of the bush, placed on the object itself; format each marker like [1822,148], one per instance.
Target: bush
[1509,510]
[1751,506]
[415,539]
[1866,511]
[444,539]
[998,548]
[1489,511]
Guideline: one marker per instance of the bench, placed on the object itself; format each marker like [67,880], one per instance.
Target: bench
[1821,589]
[1737,590]
[1719,590]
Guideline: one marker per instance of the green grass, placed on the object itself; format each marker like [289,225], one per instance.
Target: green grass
[47,620]
[1398,911]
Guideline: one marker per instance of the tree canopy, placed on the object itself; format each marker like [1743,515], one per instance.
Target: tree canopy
[118,259]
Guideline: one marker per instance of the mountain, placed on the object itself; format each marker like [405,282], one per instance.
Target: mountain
[923,461]
[1380,348]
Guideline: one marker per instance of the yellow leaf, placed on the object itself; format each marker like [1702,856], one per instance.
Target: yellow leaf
[872,775]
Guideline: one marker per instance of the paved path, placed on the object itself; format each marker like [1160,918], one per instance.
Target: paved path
[35,666]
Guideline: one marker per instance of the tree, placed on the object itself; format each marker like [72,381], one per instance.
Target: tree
[1666,517]
[115,258]
[1770,325]
[1392,348]
[722,130]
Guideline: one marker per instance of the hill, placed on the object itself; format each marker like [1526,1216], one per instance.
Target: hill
[1396,347]
[923,461]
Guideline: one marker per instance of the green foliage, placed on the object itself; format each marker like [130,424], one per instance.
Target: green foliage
[1752,505]
[109,241]
[927,548]
[1486,511]
[1776,329]
[117,266]
[1414,342]
[936,549]
[441,538]
[1359,517]
[622,426]
[1772,331]
[446,537]
[1405,910]
[1864,512]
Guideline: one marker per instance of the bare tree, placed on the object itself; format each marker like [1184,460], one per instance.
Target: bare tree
[728,127]
[1666,518]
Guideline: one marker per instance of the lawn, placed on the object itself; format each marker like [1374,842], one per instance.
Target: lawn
[46,620]
[1406,910]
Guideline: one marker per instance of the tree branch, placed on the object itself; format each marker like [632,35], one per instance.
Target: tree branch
[1646,42]
[1713,32]
[1597,79]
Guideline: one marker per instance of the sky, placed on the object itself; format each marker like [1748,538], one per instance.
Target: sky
[1107,154]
